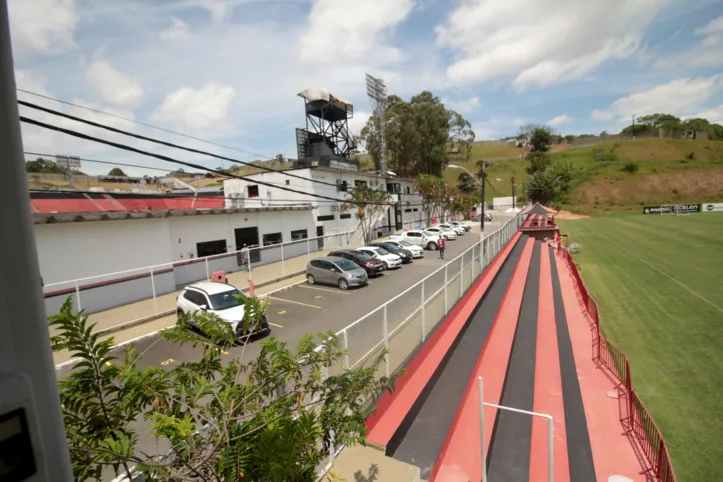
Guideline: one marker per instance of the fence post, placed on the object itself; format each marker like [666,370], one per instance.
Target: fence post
[153,289]
[550,449]
[445,289]
[424,328]
[308,249]
[386,340]
[77,296]
[208,274]
[480,387]
[283,267]
[346,349]
[629,389]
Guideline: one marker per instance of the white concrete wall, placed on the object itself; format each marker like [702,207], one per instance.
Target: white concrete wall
[78,250]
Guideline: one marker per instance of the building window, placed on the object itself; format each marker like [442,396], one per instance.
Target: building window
[342,186]
[209,248]
[416,210]
[253,191]
[408,210]
[360,183]
[345,216]
[272,238]
[299,234]
[409,190]
[288,182]
[328,217]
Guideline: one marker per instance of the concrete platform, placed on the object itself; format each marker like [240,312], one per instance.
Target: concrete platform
[367,464]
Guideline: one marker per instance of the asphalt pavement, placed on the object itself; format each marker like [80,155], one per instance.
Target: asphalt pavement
[305,309]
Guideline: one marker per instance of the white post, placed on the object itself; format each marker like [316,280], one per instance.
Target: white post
[283,268]
[445,289]
[424,329]
[550,458]
[308,248]
[77,296]
[386,340]
[208,274]
[153,289]
[461,275]
[480,385]
[346,348]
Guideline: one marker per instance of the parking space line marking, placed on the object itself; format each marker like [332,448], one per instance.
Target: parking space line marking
[274,324]
[167,362]
[324,289]
[294,302]
[317,297]
[282,312]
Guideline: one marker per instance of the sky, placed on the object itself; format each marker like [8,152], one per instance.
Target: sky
[229,71]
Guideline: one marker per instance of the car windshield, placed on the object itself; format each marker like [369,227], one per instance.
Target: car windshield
[362,256]
[225,300]
[405,243]
[381,251]
[390,247]
[346,265]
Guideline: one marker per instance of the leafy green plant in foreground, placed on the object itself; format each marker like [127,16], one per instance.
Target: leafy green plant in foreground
[273,418]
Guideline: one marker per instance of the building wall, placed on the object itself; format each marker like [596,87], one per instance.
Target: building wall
[70,251]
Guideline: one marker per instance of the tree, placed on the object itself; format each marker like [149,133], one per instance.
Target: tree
[461,133]
[117,171]
[432,189]
[44,166]
[542,186]
[371,206]
[223,421]
[467,183]
[657,120]
[541,139]
[539,161]
[563,173]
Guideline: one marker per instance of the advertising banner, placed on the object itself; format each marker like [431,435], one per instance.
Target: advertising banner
[712,207]
[672,209]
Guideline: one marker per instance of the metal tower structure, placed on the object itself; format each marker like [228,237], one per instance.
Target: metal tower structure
[377,92]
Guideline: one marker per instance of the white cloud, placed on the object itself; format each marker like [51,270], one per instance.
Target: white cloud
[601,115]
[519,122]
[559,120]
[714,115]
[543,42]
[463,106]
[219,8]
[706,54]
[351,30]
[114,85]
[202,108]
[357,123]
[679,97]
[42,26]
[177,30]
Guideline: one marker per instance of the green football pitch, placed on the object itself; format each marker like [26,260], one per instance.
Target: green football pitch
[658,281]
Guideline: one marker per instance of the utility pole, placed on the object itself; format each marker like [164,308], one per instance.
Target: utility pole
[483,179]
[633,125]
[514,203]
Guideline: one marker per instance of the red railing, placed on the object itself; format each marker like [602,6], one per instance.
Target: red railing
[634,416]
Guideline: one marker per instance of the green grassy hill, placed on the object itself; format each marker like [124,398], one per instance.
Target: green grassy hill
[663,171]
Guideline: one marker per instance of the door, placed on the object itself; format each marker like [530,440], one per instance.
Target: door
[247,238]
[320,240]
[324,271]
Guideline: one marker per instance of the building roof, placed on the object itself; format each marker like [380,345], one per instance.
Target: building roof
[82,216]
[317,93]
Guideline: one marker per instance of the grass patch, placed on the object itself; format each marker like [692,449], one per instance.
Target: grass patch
[673,338]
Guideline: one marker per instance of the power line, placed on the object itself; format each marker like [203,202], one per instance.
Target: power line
[97,111]
[183,163]
[167,144]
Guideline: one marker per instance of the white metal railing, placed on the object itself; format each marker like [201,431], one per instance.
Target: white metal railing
[151,283]
[402,324]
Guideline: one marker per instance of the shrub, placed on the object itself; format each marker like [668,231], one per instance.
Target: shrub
[630,167]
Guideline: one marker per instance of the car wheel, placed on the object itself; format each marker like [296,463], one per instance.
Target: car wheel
[386,265]
[343,284]
[310,279]
[432,246]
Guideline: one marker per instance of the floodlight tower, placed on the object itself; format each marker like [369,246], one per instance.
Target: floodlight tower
[377,92]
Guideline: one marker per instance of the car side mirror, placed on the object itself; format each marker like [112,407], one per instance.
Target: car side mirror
[203,307]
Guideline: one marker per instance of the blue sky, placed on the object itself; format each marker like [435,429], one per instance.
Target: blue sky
[228,71]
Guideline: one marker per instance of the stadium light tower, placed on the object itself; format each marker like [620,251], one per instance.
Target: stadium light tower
[377,92]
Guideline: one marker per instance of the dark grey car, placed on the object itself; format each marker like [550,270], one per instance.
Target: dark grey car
[337,271]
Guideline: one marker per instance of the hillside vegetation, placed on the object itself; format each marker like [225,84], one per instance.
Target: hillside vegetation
[616,177]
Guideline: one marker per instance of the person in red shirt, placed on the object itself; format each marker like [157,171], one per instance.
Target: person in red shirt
[441,246]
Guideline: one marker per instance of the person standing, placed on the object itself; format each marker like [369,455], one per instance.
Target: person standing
[441,246]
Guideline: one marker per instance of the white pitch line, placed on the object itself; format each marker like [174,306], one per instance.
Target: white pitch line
[665,274]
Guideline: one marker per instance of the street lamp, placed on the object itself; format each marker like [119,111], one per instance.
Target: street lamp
[482,189]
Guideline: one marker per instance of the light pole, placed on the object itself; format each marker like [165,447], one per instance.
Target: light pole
[482,189]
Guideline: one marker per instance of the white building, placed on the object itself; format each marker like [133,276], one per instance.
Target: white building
[109,256]
[329,216]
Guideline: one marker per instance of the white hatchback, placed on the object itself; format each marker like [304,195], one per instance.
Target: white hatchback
[437,231]
[417,251]
[457,229]
[390,260]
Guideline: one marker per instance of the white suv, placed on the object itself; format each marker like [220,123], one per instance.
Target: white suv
[220,299]
[447,233]
[457,229]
